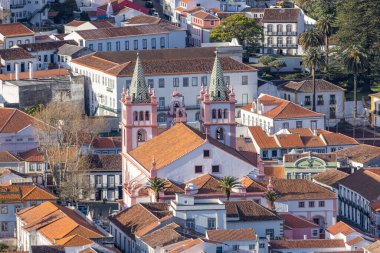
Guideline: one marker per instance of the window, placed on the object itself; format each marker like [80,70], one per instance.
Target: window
[274,153]
[288,28]
[185,82]
[126,45]
[151,83]
[206,153]
[332,100]
[261,245]
[4,209]
[211,223]
[285,125]
[279,28]
[227,79]
[45,58]
[194,81]
[265,153]
[315,232]
[204,80]
[270,41]
[220,134]
[244,80]
[8,67]
[135,44]
[332,112]
[17,208]
[235,247]
[162,42]
[111,181]
[161,102]
[175,82]
[320,100]
[153,42]
[161,83]
[100,47]
[117,45]
[289,40]
[307,100]
[301,204]
[10,43]
[279,41]
[219,249]
[270,232]
[215,169]
[270,28]
[321,203]
[212,22]
[198,168]
[4,226]
[311,203]
[313,125]
[190,224]
[145,43]
[109,46]
[91,46]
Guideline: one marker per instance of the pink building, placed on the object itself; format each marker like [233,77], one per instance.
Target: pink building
[299,228]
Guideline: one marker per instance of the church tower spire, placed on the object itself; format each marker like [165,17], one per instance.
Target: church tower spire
[218,88]
[138,88]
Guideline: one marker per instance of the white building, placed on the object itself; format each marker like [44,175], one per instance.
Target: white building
[183,70]
[241,240]
[14,34]
[330,98]
[35,12]
[66,53]
[282,28]
[141,37]
[273,114]
[16,60]
[375,109]
[78,25]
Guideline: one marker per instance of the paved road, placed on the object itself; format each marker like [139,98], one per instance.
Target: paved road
[156,5]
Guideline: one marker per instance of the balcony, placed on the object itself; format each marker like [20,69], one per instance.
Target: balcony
[307,103]
[99,185]
[17,6]
[332,102]
[281,45]
[282,33]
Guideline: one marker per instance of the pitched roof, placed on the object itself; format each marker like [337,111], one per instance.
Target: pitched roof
[340,227]
[293,189]
[119,5]
[115,32]
[329,157]
[60,223]
[274,171]
[145,19]
[252,186]
[373,247]
[13,120]
[293,221]
[8,157]
[222,235]
[39,74]
[75,23]
[330,177]
[105,162]
[46,46]
[15,53]
[281,15]
[248,210]
[308,244]
[14,30]
[67,49]
[362,153]
[48,249]
[184,245]
[356,240]
[163,236]
[159,62]
[205,15]
[32,155]
[262,139]
[368,177]
[101,23]
[24,192]
[307,86]
[377,95]
[282,109]
[141,218]
[182,139]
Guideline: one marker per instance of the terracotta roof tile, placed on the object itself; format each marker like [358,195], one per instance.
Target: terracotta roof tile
[336,139]
[74,240]
[11,54]
[14,30]
[14,120]
[243,234]
[188,244]
[362,153]
[307,86]
[308,244]
[106,143]
[340,227]
[75,23]
[262,139]
[24,192]
[330,157]
[48,249]
[274,171]
[145,19]
[163,236]
[368,177]
[8,157]
[39,74]
[32,155]
[248,210]
[330,177]
[252,186]
[356,240]
[373,247]
[293,221]
[281,15]
[45,46]
[105,162]
[205,15]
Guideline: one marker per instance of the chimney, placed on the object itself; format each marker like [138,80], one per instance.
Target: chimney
[305,237]
[17,71]
[30,70]
[315,132]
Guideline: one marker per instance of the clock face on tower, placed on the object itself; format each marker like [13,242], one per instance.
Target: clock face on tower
[310,162]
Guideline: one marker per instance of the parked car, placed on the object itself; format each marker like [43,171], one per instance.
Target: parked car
[155,13]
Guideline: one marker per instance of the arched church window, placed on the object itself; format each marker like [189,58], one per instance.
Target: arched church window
[219,133]
[180,114]
[141,115]
[220,113]
[147,115]
[225,114]
[176,105]
[214,113]
[141,135]
[135,116]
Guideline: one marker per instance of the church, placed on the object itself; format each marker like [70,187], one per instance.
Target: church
[180,153]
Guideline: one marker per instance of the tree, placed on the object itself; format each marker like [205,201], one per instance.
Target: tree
[227,183]
[266,60]
[63,131]
[278,64]
[271,196]
[358,24]
[246,30]
[310,38]
[355,61]
[156,185]
[314,58]
[84,16]
[324,25]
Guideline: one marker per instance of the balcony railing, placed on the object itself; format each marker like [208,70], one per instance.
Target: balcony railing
[99,185]
[281,45]
[282,33]
[332,102]
[320,103]
[17,6]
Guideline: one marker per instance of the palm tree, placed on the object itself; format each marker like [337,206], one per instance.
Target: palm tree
[310,38]
[314,58]
[355,61]
[227,183]
[271,196]
[324,25]
[156,185]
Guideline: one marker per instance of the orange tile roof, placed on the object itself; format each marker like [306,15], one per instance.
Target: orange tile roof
[252,186]
[308,244]
[249,210]
[180,9]
[356,240]
[8,157]
[283,109]
[23,193]
[15,30]
[32,155]
[362,153]
[340,227]
[205,16]
[274,171]
[163,236]
[223,235]
[58,224]
[262,139]
[75,23]
[40,74]
[289,140]
[186,245]
[107,143]
[373,247]
[307,86]
[182,139]
[74,240]
[293,221]
[330,177]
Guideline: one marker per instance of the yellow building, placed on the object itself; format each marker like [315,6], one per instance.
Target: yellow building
[375,109]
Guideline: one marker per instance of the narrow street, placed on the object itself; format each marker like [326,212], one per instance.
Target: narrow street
[156,5]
